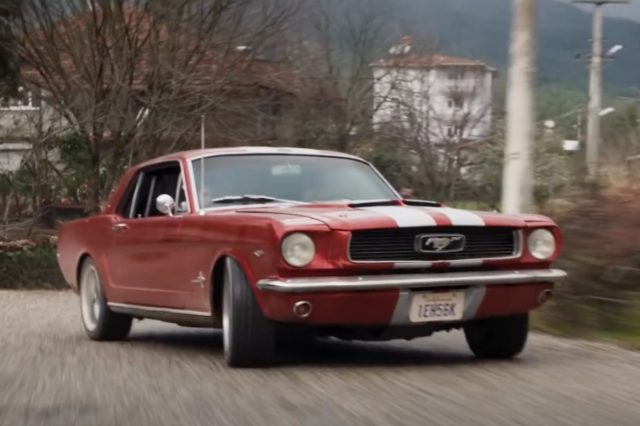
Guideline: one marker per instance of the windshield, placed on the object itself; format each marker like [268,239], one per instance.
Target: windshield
[271,178]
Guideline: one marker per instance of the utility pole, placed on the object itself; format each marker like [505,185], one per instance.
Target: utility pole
[517,175]
[595,88]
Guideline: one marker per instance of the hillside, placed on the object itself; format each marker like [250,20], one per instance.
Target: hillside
[563,31]
[480,29]
[630,10]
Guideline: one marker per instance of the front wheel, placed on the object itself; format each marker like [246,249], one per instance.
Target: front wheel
[501,337]
[100,323]
[248,336]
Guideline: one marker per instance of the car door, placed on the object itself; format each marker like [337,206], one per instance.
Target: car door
[145,256]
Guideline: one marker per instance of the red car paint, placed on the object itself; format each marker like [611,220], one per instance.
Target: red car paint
[169,262]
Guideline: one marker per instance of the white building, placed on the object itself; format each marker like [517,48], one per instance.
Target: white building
[24,120]
[436,98]
[12,154]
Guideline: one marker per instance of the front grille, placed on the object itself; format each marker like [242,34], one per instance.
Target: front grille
[399,244]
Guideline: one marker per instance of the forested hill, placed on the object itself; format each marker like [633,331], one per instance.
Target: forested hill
[480,28]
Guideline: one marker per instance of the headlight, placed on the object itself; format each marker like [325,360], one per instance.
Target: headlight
[541,244]
[298,250]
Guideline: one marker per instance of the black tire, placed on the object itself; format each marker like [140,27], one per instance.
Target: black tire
[499,338]
[99,322]
[248,336]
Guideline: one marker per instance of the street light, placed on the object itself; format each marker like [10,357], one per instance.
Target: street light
[574,144]
[607,111]
[595,85]
[612,52]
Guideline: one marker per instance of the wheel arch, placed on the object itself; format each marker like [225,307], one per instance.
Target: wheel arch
[215,287]
[81,260]
[216,281]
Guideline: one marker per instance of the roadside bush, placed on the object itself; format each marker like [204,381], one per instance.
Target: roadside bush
[26,264]
[602,256]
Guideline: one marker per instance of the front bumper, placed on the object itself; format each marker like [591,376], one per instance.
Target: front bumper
[410,281]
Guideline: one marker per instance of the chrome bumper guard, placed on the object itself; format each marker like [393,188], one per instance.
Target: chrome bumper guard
[411,281]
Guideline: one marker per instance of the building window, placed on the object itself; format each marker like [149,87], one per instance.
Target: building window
[453,131]
[456,73]
[268,113]
[456,102]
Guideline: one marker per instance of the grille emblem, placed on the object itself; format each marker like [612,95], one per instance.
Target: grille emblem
[440,243]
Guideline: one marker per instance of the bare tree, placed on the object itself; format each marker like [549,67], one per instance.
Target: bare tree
[437,118]
[8,9]
[335,51]
[132,78]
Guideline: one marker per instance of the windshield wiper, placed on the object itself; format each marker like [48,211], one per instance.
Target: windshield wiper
[374,203]
[425,203]
[257,199]
[378,203]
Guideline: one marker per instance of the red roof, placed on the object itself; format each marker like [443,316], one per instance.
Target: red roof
[219,66]
[428,61]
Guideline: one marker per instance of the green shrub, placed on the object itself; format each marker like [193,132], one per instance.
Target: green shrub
[601,297]
[33,266]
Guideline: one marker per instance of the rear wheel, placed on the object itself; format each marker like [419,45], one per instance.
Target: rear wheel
[100,323]
[502,337]
[248,336]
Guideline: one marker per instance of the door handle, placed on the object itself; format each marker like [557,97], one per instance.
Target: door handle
[119,227]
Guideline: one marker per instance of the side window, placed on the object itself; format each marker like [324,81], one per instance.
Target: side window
[181,198]
[155,181]
[142,198]
[126,204]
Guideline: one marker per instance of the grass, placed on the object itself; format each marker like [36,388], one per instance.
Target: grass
[625,334]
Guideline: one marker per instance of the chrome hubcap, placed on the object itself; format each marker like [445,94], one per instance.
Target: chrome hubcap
[90,298]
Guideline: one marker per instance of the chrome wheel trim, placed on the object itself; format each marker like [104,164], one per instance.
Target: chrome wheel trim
[226,313]
[90,300]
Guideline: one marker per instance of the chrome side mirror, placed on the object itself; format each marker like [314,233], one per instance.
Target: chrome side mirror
[165,204]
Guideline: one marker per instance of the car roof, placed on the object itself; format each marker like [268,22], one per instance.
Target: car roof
[246,150]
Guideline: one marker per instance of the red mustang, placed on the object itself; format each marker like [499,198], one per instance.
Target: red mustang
[270,243]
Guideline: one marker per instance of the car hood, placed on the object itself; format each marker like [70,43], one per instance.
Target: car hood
[344,217]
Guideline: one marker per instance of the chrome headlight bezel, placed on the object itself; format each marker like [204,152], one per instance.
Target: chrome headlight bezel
[298,249]
[541,244]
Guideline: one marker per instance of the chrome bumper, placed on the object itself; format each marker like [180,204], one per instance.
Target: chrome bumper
[411,281]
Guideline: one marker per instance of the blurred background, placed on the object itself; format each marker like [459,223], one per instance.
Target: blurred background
[419,88]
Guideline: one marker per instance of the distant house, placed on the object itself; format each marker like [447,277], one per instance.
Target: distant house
[445,99]
[12,154]
[258,95]
[23,119]
[18,118]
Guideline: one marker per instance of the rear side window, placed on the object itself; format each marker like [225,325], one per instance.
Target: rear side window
[164,181]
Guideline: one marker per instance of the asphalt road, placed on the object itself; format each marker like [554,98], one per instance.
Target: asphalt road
[50,374]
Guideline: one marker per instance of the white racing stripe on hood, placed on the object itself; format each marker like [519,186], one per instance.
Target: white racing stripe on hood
[301,221]
[405,217]
[461,217]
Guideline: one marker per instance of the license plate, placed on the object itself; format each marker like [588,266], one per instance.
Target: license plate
[435,307]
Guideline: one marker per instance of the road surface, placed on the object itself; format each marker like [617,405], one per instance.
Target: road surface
[166,375]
